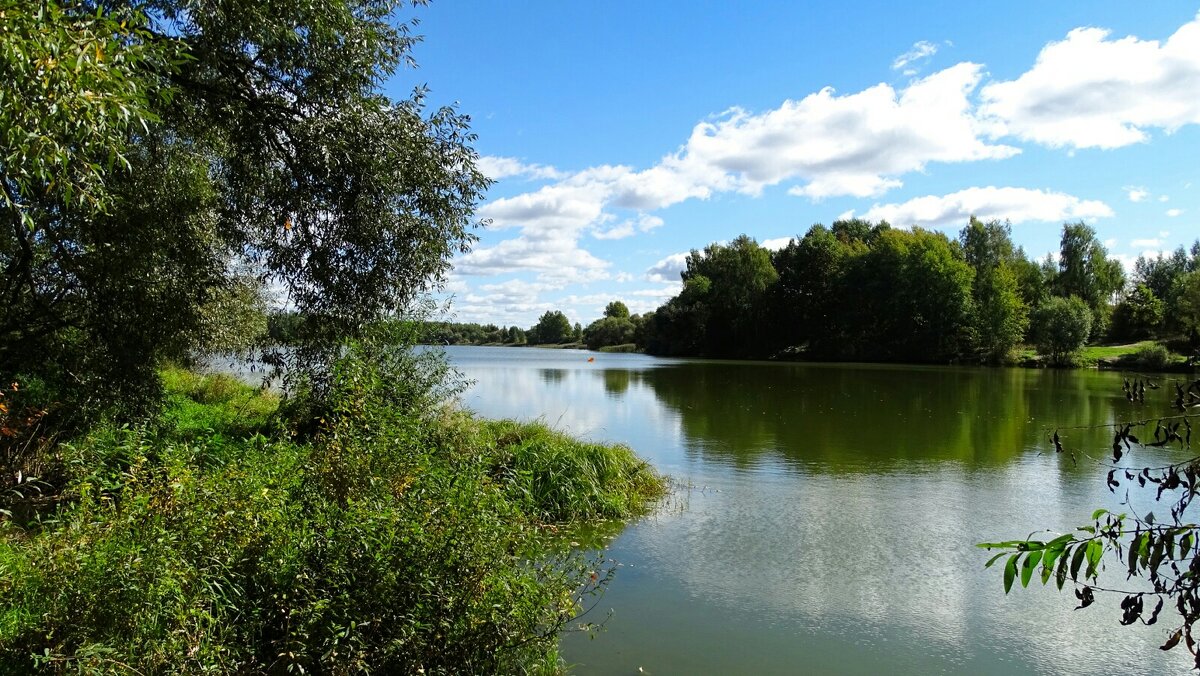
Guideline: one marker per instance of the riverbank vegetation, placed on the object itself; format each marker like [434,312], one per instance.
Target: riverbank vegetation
[234,533]
[860,291]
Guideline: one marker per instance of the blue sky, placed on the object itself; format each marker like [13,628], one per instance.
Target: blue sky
[624,134]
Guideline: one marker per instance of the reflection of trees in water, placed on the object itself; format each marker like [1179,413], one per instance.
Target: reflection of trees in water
[616,381]
[858,415]
[552,376]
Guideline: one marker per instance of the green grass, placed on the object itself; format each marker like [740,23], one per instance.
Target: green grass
[1096,353]
[1131,354]
[624,348]
[218,538]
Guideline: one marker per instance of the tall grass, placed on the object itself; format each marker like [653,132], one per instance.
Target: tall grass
[237,533]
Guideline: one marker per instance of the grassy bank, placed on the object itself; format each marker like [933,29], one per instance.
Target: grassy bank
[239,533]
[1146,354]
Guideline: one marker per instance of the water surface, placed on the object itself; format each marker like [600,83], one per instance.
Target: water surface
[833,511]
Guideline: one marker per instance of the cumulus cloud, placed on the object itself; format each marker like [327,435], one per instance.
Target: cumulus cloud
[498,168]
[1014,204]
[555,257]
[775,244]
[1136,194]
[921,50]
[629,227]
[1144,243]
[668,269]
[1091,91]
[1173,213]
[856,144]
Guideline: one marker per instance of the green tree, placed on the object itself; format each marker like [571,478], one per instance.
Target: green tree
[1060,328]
[1086,271]
[552,328]
[616,309]
[1000,314]
[188,145]
[807,300]
[608,331]
[737,276]
[1138,315]
[1187,306]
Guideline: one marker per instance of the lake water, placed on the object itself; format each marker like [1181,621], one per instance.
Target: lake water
[832,512]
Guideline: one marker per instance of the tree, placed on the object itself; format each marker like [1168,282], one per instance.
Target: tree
[1187,306]
[608,331]
[1000,314]
[552,328]
[616,309]
[1139,315]
[189,144]
[805,302]
[1061,327]
[736,277]
[1086,271]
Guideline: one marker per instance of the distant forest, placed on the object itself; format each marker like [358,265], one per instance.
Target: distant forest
[870,292]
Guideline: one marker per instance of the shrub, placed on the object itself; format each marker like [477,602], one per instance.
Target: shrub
[390,538]
[1152,357]
[1060,327]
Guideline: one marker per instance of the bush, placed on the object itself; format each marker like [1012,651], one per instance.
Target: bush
[390,539]
[1060,327]
[1152,357]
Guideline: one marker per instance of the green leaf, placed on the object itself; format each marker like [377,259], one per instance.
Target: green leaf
[1060,576]
[1095,550]
[1077,560]
[1048,558]
[1010,572]
[1099,513]
[1134,548]
[994,559]
[1027,568]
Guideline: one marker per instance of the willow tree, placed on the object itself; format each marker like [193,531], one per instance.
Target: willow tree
[155,155]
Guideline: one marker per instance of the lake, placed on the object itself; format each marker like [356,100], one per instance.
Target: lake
[829,512]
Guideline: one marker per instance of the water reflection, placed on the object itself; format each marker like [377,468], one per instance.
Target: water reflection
[834,512]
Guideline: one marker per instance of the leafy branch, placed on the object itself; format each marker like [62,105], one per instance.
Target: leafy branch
[1164,556]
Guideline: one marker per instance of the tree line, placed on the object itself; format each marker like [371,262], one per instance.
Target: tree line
[870,292]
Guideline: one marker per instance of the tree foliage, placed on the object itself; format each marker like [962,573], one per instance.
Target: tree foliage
[552,328]
[866,291]
[154,157]
[616,310]
[1159,555]
[1086,272]
[1061,327]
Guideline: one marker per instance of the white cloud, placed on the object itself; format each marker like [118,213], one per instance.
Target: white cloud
[1145,243]
[1014,204]
[1173,213]
[557,257]
[1135,193]
[775,244]
[857,144]
[1164,198]
[628,228]
[1090,91]
[668,269]
[497,168]
[620,231]
[921,50]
